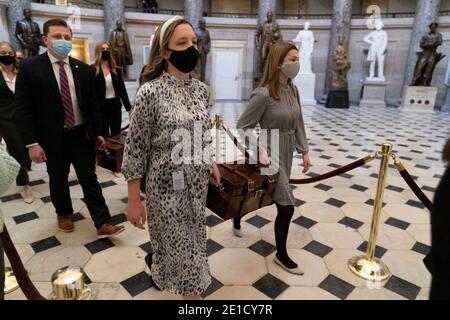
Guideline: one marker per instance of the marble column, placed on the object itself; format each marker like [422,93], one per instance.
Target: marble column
[113,10]
[15,13]
[193,11]
[426,13]
[3,23]
[340,28]
[446,105]
[265,6]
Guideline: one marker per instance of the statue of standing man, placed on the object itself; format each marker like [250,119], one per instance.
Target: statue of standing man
[28,34]
[121,49]
[378,41]
[305,44]
[268,33]
[204,46]
[428,58]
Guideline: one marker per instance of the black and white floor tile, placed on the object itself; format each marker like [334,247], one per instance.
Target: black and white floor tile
[331,223]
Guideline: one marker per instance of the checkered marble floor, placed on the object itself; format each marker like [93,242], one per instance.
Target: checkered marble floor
[331,223]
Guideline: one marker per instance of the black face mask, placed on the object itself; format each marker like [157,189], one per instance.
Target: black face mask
[185,60]
[7,60]
[106,55]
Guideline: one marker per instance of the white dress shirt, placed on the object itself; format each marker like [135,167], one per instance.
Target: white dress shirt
[10,83]
[73,92]
[110,93]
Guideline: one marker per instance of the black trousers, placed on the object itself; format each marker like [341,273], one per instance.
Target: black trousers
[16,148]
[111,113]
[78,150]
[2,272]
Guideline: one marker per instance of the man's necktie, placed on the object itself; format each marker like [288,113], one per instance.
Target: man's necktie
[69,117]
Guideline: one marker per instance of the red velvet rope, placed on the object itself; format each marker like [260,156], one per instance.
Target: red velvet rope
[21,274]
[349,167]
[413,185]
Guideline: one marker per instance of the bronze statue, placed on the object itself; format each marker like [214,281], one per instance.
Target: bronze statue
[204,46]
[341,65]
[28,34]
[338,94]
[121,49]
[428,58]
[268,33]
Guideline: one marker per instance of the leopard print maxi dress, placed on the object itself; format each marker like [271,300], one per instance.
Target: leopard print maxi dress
[176,219]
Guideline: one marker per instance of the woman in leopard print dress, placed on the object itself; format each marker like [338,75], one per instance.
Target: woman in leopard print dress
[167,101]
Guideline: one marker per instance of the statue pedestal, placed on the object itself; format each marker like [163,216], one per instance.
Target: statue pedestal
[306,84]
[338,99]
[416,98]
[374,94]
[446,106]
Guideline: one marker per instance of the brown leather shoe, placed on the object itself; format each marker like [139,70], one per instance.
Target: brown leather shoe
[65,223]
[108,230]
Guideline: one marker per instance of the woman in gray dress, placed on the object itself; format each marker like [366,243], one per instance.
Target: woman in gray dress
[169,105]
[275,105]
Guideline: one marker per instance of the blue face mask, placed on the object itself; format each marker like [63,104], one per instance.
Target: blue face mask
[62,47]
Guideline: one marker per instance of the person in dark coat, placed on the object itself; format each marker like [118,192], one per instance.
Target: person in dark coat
[58,116]
[8,124]
[110,90]
[438,260]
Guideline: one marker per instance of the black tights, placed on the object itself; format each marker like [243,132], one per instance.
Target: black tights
[282,223]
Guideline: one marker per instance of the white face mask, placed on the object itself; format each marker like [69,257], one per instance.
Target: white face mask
[290,69]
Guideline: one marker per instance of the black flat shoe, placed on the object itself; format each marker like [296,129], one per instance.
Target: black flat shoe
[149,259]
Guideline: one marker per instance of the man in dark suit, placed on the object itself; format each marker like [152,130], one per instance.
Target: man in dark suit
[438,260]
[58,116]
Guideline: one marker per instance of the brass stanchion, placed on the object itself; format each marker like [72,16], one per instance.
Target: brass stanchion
[218,123]
[69,284]
[367,266]
[11,283]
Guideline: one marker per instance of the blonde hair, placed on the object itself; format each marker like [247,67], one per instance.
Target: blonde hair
[274,60]
[157,64]
[4,43]
[98,58]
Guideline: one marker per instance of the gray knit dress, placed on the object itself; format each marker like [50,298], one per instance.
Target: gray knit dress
[285,115]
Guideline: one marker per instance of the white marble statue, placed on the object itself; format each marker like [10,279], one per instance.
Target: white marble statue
[306,79]
[378,41]
[305,43]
